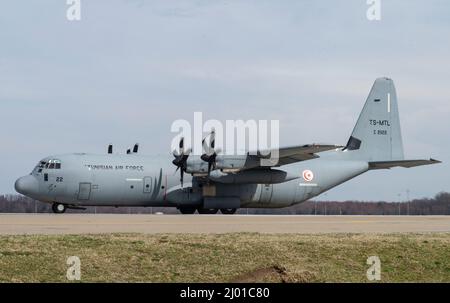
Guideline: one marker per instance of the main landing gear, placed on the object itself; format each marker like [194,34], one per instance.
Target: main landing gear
[207,211]
[58,208]
[189,210]
[228,211]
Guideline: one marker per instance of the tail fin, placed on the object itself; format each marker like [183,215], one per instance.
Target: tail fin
[377,135]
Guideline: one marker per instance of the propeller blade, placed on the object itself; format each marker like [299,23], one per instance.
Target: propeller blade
[205,157]
[212,139]
[181,177]
[180,160]
[205,147]
[210,152]
[209,167]
[181,145]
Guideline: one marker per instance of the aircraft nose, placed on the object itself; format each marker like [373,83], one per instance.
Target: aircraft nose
[27,185]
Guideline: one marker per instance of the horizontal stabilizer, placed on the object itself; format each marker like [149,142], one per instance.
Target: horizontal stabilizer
[401,163]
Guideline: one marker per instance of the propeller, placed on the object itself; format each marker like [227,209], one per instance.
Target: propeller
[180,160]
[210,151]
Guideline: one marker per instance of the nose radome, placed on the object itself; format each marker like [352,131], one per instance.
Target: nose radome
[27,185]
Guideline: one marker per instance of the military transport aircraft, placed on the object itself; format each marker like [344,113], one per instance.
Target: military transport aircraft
[222,182]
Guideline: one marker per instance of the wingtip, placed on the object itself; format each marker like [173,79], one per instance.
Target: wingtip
[435,161]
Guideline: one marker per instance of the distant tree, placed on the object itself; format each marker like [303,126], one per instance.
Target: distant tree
[438,205]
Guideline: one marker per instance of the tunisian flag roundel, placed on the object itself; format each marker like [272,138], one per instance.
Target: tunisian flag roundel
[308,175]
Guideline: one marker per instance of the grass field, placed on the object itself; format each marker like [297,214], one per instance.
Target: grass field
[242,257]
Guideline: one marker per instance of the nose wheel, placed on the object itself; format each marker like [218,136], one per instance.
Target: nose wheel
[59,208]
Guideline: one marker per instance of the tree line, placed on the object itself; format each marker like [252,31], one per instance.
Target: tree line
[438,205]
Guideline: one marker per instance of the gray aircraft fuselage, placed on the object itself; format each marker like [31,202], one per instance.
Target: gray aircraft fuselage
[137,180]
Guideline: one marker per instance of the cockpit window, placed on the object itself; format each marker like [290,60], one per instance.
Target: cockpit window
[57,164]
[40,166]
[51,164]
[54,164]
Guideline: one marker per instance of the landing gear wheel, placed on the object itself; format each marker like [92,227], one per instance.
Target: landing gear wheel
[228,211]
[59,208]
[187,210]
[207,211]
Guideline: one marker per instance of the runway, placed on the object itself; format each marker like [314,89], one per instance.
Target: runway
[14,224]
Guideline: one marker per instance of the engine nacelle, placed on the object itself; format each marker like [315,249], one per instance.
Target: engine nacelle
[229,164]
[236,162]
[259,176]
[195,165]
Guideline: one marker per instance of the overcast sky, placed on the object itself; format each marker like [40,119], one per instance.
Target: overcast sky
[128,69]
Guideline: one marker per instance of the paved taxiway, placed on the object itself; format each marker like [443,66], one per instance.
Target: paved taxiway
[113,223]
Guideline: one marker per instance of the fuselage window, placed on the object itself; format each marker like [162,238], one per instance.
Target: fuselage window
[45,177]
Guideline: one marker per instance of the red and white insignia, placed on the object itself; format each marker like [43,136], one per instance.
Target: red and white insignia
[308,175]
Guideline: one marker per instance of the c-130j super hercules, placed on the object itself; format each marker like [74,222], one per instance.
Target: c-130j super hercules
[219,182]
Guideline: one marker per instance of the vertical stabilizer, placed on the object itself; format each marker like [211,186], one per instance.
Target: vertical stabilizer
[377,135]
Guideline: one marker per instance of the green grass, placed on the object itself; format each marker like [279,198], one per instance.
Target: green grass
[227,257]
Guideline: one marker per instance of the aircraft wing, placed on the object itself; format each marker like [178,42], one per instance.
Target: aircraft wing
[297,153]
[401,163]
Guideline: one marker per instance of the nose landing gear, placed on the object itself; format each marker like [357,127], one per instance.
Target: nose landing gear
[58,208]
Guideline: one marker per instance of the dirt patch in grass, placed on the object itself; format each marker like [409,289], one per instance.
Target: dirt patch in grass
[275,273]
